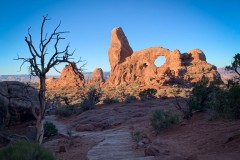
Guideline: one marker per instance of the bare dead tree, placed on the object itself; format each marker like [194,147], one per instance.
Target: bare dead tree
[41,61]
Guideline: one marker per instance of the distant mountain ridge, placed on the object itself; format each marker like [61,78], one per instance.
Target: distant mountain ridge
[225,75]
[87,75]
[20,78]
[27,78]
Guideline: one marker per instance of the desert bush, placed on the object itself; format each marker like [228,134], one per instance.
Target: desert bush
[147,94]
[24,150]
[226,103]
[120,91]
[109,100]
[110,88]
[91,98]
[129,98]
[163,119]
[202,95]
[220,102]
[63,88]
[183,94]
[186,110]
[63,112]
[171,91]
[105,125]
[136,136]
[135,85]
[162,93]
[50,129]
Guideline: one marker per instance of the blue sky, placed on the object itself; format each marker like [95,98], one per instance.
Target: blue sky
[210,25]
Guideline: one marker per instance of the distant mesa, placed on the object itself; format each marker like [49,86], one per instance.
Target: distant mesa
[128,66]
[226,75]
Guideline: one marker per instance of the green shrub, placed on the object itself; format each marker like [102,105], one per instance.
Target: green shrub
[64,112]
[162,93]
[50,129]
[130,99]
[147,94]
[202,95]
[226,103]
[68,110]
[221,102]
[163,119]
[109,100]
[171,91]
[136,136]
[23,150]
[105,125]
[183,94]
[91,98]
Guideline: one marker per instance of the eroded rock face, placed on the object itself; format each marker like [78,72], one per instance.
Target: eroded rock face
[70,77]
[15,102]
[128,67]
[119,48]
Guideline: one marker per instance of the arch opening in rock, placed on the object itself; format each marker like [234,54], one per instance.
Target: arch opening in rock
[159,61]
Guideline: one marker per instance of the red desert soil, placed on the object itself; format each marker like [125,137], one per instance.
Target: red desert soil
[100,129]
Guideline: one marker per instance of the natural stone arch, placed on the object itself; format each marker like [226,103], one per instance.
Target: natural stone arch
[160,61]
[131,67]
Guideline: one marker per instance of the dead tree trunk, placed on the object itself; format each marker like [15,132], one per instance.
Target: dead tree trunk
[39,66]
[41,115]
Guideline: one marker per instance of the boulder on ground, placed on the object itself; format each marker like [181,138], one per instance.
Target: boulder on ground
[16,102]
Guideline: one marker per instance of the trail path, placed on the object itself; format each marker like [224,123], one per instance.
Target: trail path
[117,144]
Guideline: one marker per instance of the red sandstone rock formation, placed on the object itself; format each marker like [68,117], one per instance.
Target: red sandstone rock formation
[97,76]
[128,67]
[119,48]
[70,77]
